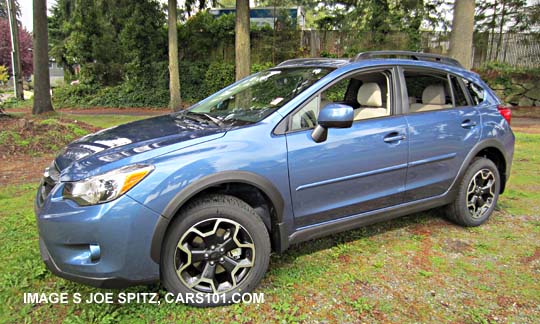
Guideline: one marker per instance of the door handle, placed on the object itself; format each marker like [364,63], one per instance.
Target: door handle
[394,137]
[467,123]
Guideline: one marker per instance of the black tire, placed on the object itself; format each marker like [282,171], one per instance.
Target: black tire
[227,211]
[462,210]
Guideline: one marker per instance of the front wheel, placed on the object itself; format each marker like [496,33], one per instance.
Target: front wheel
[217,245]
[477,194]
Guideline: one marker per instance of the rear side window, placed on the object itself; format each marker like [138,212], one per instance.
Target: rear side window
[476,92]
[459,96]
[427,90]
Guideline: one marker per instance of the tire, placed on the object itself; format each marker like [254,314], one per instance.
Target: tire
[467,210]
[238,268]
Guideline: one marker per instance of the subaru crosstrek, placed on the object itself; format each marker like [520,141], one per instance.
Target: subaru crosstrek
[198,199]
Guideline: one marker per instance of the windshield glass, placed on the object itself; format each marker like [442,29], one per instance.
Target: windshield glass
[258,96]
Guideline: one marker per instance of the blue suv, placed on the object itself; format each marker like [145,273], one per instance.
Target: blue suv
[200,198]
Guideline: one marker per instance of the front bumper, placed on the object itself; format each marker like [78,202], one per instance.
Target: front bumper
[106,245]
[113,282]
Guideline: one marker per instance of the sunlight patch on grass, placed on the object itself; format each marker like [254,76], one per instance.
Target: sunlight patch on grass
[104,121]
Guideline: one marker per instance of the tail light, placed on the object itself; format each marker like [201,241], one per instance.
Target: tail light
[505,112]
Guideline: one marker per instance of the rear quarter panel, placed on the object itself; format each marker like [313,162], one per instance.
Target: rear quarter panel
[494,126]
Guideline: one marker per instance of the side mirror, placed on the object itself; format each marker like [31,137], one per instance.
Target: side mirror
[333,115]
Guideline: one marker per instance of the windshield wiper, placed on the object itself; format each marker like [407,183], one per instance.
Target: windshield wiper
[213,119]
[206,118]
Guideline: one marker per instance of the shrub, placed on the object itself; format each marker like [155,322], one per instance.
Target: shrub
[4,76]
[197,81]
[101,74]
[504,72]
[218,76]
[261,67]
[73,96]
[128,95]
[192,79]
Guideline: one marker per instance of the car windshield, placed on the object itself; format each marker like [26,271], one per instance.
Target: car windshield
[256,97]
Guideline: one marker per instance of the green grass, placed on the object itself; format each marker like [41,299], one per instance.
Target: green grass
[14,103]
[419,268]
[103,121]
[50,133]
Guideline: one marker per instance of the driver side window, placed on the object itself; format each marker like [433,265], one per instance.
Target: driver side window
[368,94]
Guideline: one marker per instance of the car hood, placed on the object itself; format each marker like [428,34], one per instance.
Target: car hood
[129,140]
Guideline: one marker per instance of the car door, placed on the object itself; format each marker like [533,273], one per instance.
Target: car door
[442,130]
[355,170]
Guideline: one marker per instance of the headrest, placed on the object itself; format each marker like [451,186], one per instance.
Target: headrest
[434,95]
[369,95]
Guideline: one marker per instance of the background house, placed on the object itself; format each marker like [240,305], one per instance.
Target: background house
[268,15]
[56,73]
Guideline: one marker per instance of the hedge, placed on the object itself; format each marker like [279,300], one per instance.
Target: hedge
[197,81]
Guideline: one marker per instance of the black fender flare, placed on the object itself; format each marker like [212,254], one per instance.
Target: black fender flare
[206,182]
[487,143]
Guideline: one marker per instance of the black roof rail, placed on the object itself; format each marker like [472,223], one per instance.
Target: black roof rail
[313,61]
[417,56]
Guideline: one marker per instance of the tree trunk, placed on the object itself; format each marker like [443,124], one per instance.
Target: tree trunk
[242,46]
[461,37]
[42,85]
[493,23]
[175,102]
[15,50]
[501,26]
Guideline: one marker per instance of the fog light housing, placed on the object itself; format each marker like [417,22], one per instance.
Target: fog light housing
[95,252]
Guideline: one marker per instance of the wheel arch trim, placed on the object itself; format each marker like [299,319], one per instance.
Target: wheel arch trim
[484,144]
[216,179]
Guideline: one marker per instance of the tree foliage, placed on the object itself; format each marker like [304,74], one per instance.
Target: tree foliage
[506,15]
[111,40]
[25,44]
[4,9]
[198,5]
[202,33]
[382,17]
[121,46]
[4,76]
[495,17]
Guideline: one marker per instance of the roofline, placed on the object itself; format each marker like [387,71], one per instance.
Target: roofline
[322,61]
[374,56]
[415,56]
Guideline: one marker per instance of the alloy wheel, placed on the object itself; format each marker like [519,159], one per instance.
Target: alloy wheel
[480,193]
[214,256]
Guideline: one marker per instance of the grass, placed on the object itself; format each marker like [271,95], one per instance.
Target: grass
[97,120]
[38,136]
[419,268]
[103,121]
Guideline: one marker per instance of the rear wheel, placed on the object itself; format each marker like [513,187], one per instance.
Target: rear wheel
[218,245]
[477,194]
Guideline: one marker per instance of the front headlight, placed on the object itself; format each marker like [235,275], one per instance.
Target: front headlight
[107,186]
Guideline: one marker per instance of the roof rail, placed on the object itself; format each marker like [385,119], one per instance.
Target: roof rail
[313,61]
[417,56]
